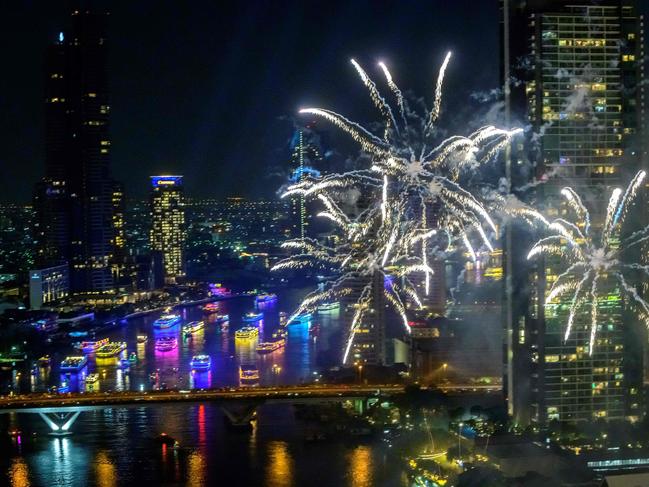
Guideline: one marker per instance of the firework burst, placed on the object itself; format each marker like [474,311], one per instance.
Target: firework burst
[592,258]
[411,194]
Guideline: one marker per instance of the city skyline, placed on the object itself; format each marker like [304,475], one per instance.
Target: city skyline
[214,110]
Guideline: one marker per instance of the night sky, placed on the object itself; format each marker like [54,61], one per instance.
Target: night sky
[209,89]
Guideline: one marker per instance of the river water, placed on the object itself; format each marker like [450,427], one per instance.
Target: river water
[117,446]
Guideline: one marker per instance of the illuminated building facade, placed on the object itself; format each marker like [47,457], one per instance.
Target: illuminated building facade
[369,341]
[168,224]
[573,74]
[48,286]
[74,199]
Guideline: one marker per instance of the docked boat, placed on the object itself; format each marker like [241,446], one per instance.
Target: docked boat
[265,298]
[222,318]
[246,332]
[200,362]
[268,347]
[327,307]
[303,319]
[142,338]
[110,349]
[166,344]
[211,308]
[74,363]
[92,378]
[252,317]
[166,321]
[193,327]
[93,346]
[249,376]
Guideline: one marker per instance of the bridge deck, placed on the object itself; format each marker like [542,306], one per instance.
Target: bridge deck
[37,402]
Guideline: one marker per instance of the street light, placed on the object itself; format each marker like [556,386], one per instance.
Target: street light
[459,443]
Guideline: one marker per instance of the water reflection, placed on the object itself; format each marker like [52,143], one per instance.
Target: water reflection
[105,470]
[279,466]
[361,466]
[19,473]
[196,469]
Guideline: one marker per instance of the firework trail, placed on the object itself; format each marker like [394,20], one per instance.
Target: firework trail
[593,258]
[412,193]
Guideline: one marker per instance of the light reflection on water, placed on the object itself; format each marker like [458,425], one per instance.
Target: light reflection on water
[117,446]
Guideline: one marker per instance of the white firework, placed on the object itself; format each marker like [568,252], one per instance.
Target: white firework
[593,258]
[411,192]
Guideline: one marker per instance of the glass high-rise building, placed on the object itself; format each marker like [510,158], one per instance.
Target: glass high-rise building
[572,72]
[168,233]
[74,199]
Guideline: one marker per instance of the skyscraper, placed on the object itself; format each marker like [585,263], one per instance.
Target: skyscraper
[305,156]
[168,224]
[571,71]
[73,201]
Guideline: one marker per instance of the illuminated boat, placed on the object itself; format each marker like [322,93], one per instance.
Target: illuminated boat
[74,363]
[268,347]
[92,378]
[193,327]
[314,331]
[252,317]
[210,308]
[125,363]
[110,349]
[246,332]
[78,334]
[249,375]
[166,321]
[93,346]
[132,358]
[166,344]
[222,318]
[44,361]
[200,362]
[142,338]
[326,307]
[302,319]
[265,298]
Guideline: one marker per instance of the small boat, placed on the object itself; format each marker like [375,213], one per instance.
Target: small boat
[210,308]
[246,332]
[268,347]
[166,321]
[166,344]
[326,307]
[142,338]
[193,327]
[78,334]
[249,376]
[125,363]
[265,298]
[222,318]
[303,319]
[74,363]
[314,331]
[252,317]
[92,346]
[200,362]
[44,361]
[92,378]
[110,349]
[283,317]
[132,358]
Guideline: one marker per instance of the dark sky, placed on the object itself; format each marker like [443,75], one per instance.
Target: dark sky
[207,89]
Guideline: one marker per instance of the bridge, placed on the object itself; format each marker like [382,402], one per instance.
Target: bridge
[238,404]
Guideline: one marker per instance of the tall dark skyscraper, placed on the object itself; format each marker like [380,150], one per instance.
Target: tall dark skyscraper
[74,199]
[572,72]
